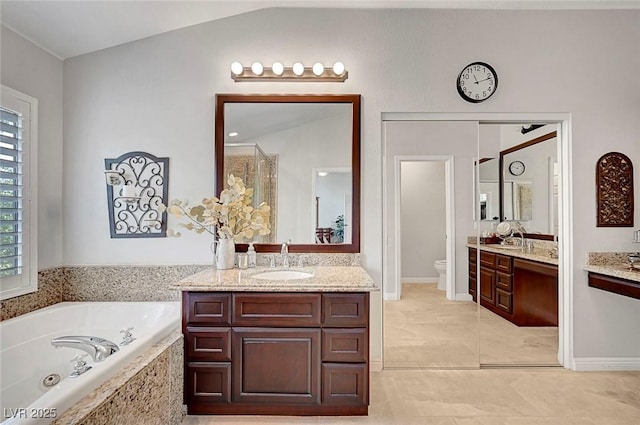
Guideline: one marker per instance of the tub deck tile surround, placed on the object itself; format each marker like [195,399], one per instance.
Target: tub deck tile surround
[51,289]
[147,391]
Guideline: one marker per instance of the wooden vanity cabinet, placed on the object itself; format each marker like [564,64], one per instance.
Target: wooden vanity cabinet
[522,291]
[276,353]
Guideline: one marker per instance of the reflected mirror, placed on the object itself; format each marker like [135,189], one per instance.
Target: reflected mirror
[529,173]
[301,155]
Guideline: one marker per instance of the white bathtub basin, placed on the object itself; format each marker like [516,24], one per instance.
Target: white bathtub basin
[282,275]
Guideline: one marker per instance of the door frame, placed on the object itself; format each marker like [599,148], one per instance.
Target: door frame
[449,219]
[565,205]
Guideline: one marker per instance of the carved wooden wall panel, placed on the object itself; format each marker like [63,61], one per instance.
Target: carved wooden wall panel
[614,185]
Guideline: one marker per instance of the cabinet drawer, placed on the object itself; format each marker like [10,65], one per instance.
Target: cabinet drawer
[345,310]
[345,345]
[473,255]
[503,300]
[210,344]
[503,281]
[290,310]
[204,308]
[207,382]
[504,263]
[487,259]
[345,384]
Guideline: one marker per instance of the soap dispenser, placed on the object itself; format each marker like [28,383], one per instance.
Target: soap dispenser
[251,255]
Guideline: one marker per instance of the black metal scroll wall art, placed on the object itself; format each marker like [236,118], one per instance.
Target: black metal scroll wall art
[614,187]
[137,184]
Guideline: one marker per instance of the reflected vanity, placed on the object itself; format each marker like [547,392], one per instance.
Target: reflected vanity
[301,154]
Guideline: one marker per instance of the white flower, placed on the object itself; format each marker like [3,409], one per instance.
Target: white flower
[231,216]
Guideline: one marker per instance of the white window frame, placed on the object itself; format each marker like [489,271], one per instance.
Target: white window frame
[27,281]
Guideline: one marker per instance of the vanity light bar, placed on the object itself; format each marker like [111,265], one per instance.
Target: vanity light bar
[297,72]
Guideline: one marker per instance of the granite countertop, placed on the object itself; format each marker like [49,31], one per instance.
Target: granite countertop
[325,279]
[538,254]
[611,264]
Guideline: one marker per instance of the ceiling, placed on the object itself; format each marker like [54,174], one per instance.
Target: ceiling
[71,28]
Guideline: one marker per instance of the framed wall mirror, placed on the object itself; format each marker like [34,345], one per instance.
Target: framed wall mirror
[529,185]
[301,155]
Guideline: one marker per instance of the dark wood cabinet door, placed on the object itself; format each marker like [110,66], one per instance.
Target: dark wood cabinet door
[345,384]
[207,382]
[472,288]
[345,310]
[276,309]
[279,366]
[487,286]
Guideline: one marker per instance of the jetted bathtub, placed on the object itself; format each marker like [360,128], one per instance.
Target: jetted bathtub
[28,360]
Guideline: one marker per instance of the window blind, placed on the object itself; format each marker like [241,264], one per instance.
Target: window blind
[11,176]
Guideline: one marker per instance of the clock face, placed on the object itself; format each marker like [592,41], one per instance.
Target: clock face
[477,82]
[516,168]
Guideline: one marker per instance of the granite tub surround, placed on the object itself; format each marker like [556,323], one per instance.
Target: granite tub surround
[540,252]
[51,290]
[126,283]
[99,283]
[325,279]
[147,391]
[613,264]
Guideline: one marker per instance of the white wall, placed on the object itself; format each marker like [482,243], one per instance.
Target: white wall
[30,70]
[157,95]
[423,218]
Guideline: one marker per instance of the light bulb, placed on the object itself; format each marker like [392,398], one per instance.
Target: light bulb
[298,68]
[338,68]
[257,68]
[237,68]
[277,68]
[233,134]
[318,69]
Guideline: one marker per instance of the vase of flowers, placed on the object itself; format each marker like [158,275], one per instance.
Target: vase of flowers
[230,218]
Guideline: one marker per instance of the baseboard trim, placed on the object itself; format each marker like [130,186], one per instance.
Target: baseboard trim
[375,365]
[390,296]
[606,363]
[463,296]
[419,280]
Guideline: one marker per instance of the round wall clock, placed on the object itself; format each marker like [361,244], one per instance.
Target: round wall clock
[477,82]
[516,168]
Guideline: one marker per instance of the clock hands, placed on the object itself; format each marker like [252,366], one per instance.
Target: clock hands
[481,80]
[474,77]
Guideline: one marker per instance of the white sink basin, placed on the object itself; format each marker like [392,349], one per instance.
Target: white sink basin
[282,275]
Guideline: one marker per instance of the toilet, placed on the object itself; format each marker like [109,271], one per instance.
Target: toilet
[441,268]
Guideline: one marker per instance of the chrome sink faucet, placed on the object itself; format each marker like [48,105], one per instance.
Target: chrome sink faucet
[284,251]
[98,348]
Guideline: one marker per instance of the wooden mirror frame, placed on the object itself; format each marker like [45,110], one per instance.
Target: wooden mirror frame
[354,100]
[532,142]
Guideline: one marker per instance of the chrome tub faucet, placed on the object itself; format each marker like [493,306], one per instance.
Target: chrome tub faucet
[98,348]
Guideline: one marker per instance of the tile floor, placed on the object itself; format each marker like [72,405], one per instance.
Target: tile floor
[425,330]
[518,396]
[483,397]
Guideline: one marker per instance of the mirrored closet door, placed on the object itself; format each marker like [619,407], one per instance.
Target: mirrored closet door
[516,261]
